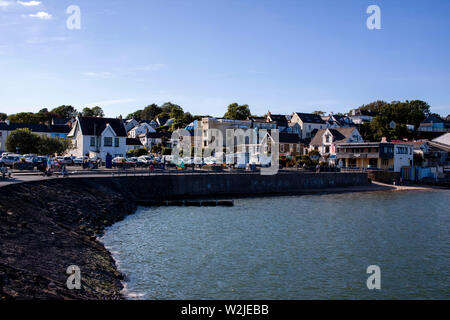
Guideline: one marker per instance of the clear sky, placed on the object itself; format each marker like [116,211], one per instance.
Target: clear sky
[281,55]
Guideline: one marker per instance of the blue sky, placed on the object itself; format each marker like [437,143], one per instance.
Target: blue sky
[281,56]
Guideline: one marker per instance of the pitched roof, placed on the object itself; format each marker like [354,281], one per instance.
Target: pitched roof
[433,119]
[92,126]
[289,137]
[60,128]
[310,117]
[157,135]
[41,128]
[134,142]
[61,121]
[339,135]
[280,119]
[33,127]
[161,121]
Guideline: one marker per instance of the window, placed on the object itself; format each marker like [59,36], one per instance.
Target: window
[282,148]
[92,141]
[107,142]
[327,149]
[327,138]
[116,142]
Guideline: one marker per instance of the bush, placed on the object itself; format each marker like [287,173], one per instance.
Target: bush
[137,152]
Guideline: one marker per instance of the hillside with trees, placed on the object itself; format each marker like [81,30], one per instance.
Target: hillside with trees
[402,113]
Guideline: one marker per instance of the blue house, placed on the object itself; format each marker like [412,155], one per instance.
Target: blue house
[434,124]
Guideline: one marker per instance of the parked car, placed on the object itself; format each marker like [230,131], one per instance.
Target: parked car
[78,161]
[64,160]
[145,160]
[10,160]
[210,161]
[198,161]
[121,162]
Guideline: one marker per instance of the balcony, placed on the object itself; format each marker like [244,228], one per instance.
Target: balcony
[348,155]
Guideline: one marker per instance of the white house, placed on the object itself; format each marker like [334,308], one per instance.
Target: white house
[150,139]
[393,125]
[359,116]
[338,121]
[98,136]
[141,128]
[130,124]
[326,140]
[308,122]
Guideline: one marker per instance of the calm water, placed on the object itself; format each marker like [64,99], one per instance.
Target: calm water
[300,247]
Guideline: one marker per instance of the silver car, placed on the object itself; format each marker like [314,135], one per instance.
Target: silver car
[10,160]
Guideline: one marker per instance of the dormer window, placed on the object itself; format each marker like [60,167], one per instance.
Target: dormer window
[327,138]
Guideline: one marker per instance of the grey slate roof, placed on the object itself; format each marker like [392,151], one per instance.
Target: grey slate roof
[93,126]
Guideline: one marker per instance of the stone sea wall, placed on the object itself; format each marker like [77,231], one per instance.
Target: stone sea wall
[47,226]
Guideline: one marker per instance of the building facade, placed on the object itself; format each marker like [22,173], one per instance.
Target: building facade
[308,122]
[375,155]
[98,137]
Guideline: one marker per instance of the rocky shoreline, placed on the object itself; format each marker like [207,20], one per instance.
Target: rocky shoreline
[45,227]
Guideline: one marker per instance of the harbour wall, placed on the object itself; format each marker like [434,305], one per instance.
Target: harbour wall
[47,226]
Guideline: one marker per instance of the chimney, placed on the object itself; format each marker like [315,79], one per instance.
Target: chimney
[384,140]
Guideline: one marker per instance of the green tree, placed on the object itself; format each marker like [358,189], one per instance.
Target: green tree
[49,146]
[25,117]
[150,112]
[87,112]
[65,111]
[136,115]
[373,106]
[157,148]
[237,112]
[3,116]
[22,141]
[320,113]
[93,112]
[98,112]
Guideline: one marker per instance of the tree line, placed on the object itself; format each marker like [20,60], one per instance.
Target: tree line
[402,113]
[44,115]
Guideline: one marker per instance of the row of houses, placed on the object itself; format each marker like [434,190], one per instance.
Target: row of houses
[335,137]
